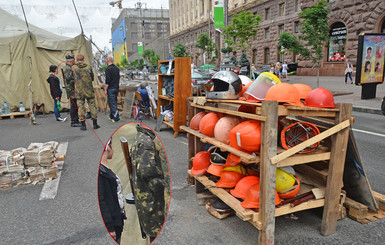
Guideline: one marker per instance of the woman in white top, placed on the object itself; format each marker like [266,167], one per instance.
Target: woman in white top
[284,71]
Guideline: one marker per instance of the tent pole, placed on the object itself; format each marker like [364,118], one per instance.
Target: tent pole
[77,14]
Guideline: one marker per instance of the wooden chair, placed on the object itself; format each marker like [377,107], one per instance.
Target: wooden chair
[143,106]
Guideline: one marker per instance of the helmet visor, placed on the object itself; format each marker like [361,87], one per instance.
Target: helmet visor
[258,89]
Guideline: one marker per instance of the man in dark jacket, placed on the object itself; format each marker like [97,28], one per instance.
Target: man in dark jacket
[112,88]
[54,85]
[111,200]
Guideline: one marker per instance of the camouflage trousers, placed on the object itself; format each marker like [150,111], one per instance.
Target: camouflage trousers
[82,108]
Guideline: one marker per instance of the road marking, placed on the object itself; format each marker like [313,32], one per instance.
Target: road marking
[368,132]
[50,188]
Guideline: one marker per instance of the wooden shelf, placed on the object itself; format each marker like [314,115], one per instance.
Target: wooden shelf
[165,98]
[169,124]
[171,74]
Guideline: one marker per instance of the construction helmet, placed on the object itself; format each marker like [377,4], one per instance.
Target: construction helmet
[243,186]
[252,197]
[246,136]
[229,179]
[223,127]
[238,168]
[194,122]
[291,192]
[303,90]
[258,89]
[244,79]
[208,122]
[298,132]
[201,162]
[227,86]
[245,88]
[218,156]
[284,180]
[285,93]
[215,169]
[320,97]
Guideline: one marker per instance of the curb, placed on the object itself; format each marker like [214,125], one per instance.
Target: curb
[367,110]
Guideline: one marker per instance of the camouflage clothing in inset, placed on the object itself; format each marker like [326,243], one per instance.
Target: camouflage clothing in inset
[69,81]
[84,76]
[82,110]
[149,181]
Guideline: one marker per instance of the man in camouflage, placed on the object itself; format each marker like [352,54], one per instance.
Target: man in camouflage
[69,82]
[147,156]
[85,90]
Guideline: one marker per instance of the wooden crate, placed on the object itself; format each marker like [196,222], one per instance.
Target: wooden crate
[12,115]
[362,214]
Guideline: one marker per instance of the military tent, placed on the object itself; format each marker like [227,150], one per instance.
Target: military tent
[24,55]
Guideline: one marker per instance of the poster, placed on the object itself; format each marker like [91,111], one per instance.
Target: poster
[218,14]
[370,62]
[140,48]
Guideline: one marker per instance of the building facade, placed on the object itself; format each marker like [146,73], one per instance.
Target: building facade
[149,26]
[348,19]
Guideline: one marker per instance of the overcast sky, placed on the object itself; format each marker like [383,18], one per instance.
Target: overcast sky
[59,17]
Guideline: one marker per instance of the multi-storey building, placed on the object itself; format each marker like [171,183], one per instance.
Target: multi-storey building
[149,26]
[348,19]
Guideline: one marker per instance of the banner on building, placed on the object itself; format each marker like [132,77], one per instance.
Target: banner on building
[370,58]
[218,14]
[140,48]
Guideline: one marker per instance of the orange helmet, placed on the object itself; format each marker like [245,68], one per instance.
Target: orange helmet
[284,92]
[201,162]
[238,168]
[243,186]
[223,127]
[252,197]
[194,123]
[297,133]
[291,192]
[258,89]
[208,122]
[320,97]
[229,179]
[246,136]
[215,169]
[303,90]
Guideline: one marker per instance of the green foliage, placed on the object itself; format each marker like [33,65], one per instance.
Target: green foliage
[137,64]
[102,68]
[180,50]
[242,30]
[208,46]
[233,60]
[243,61]
[151,57]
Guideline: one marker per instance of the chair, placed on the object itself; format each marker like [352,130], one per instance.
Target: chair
[144,106]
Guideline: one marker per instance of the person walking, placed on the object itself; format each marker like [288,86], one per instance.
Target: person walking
[54,85]
[85,91]
[69,82]
[253,70]
[271,68]
[348,72]
[111,200]
[112,88]
[284,71]
[278,70]
[145,73]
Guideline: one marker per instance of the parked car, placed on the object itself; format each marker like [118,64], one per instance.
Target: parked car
[244,71]
[292,66]
[199,78]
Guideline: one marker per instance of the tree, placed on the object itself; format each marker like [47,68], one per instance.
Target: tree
[243,61]
[180,50]
[151,57]
[208,47]
[242,30]
[233,60]
[137,64]
[314,35]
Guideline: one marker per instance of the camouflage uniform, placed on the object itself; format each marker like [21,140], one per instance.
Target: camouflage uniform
[149,181]
[85,90]
[69,81]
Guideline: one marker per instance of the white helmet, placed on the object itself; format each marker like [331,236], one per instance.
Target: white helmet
[227,85]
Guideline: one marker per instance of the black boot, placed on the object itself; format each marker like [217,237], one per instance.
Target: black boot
[76,124]
[95,121]
[88,115]
[83,127]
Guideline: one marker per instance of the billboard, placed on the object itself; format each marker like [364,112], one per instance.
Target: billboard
[370,58]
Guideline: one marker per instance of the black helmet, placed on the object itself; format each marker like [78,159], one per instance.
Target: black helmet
[227,85]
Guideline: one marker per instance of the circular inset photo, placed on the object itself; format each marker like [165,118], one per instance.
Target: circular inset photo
[134,185]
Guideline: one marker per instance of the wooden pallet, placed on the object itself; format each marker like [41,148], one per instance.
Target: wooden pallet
[362,214]
[12,115]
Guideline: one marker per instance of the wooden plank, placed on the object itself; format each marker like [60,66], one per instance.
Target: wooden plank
[230,112]
[13,114]
[165,98]
[247,158]
[286,209]
[268,172]
[356,209]
[304,158]
[378,196]
[336,170]
[129,99]
[311,141]
[191,143]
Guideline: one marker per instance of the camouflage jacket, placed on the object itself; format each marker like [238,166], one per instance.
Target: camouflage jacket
[149,184]
[69,81]
[84,76]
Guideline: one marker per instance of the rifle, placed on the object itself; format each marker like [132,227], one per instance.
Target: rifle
[130,198]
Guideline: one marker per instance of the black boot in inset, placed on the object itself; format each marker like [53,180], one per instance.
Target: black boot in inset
[83,127]
[95,121]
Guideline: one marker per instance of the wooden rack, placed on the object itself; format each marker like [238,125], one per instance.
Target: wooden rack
[271,157]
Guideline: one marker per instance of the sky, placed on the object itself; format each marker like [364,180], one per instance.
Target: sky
[59,17]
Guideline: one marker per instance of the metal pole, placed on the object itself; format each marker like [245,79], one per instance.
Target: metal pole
[77,14]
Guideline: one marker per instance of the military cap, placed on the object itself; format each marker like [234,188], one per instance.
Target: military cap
[70,57]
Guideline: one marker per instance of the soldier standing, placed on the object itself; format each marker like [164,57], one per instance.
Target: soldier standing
[147,156]
[85,90]
[69,82]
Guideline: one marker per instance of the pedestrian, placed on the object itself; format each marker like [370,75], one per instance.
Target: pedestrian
[69,82]
[111,200]
[253,70]
[112,88]
[54,85]
[85,91]
[284,71]
[348,71]
[272,68]
[278,69]
[144,94]
[145,73]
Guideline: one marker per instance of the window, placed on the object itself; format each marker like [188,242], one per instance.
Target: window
[281,29]
[296,27]
[266,56]
[254,58]
[146,26]
[159,34]
[267,33]
[282,9]
[134,46]
[159,26]
[147,35]
[133,26]
[134,35]
[281,57]
[337,41]
[297,5]
[267,14]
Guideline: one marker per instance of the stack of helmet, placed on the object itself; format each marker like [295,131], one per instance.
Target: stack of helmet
[287,184]
[253,195]
[208,122]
